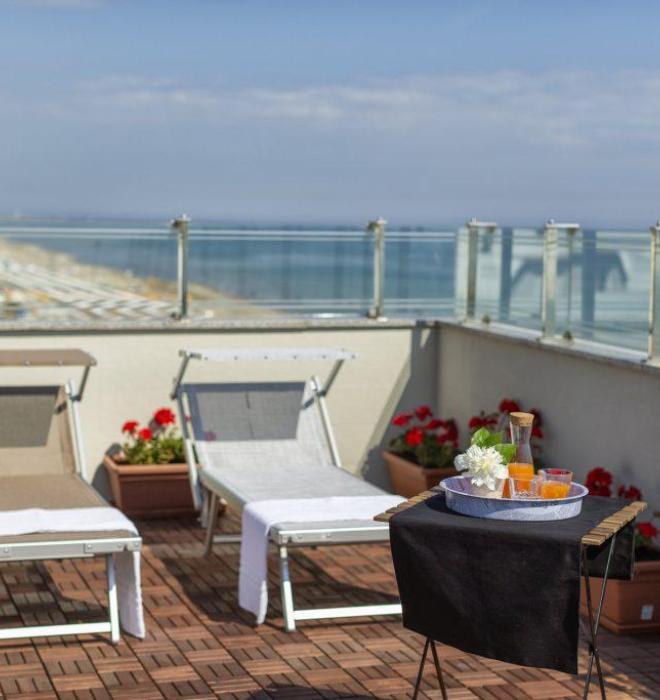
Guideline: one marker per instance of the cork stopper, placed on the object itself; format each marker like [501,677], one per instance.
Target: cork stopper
[522,419]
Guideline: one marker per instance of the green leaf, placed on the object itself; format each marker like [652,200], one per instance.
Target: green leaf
[494,439]
[481,437]
[507,451]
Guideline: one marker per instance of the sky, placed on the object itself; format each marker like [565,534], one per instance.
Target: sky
[330,111]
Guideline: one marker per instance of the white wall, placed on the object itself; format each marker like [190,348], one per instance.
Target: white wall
[596,414]
[135,372]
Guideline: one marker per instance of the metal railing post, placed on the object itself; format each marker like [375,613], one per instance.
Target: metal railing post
[549,300]
[654,297]
[473,228]
[506,260]
[377,227]
[589,243]
[180,227]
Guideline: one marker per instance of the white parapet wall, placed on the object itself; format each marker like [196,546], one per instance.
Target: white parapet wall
[396,364]
[598,411]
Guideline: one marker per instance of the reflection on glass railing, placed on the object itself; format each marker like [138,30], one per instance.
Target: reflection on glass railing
[603,287]
[509,275]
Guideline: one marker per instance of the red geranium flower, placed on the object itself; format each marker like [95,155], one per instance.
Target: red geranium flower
[414,437]
[434,424]
[538,421]
[402,419]
[145,434]
[508,406]
[481,421]
[451,428]
[631,492]
[648,530]
[598,482]
[129,426]
[423,412]
[537,432]
[164,416]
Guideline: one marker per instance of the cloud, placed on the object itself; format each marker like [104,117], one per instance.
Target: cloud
[578,108]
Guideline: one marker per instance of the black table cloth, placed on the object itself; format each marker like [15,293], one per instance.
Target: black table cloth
[504,590]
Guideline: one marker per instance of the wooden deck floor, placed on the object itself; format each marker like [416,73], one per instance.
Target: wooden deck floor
[200,645]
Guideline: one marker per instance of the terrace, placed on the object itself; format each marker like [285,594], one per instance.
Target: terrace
[200,645]
[558,318]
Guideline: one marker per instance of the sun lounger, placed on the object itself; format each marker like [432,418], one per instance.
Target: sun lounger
[259,441]
[42,474]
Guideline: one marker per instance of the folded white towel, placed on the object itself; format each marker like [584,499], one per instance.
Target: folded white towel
[260,516]
[127,564]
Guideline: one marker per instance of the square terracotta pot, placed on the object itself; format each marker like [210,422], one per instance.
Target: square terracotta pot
[408,479]
[630,607]
[150,490]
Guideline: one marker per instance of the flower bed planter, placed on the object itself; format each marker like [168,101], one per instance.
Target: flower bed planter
[408,479]
[630,607]
[150,490]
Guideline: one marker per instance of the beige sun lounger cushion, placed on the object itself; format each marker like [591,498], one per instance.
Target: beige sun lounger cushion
[52,492]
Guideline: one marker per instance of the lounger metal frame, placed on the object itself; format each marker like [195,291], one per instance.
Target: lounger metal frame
[80,547]
[295,535]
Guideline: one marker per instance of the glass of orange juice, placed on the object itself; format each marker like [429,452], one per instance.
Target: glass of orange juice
[555,483]
[521,471]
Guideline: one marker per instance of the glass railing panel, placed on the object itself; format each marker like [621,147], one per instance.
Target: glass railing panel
[522,290]
[62,274]
[420,273]
[509,276]
[242,273]
[603,291]
[489,275]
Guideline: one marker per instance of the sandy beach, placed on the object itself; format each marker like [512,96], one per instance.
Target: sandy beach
[37,284]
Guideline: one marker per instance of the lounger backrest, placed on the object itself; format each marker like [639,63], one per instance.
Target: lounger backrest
[258,423]
[35,433]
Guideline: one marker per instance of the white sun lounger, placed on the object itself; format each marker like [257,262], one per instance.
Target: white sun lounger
[258,441]
[42,466]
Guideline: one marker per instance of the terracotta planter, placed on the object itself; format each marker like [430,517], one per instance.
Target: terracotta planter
[630,607]
[408,479]
[150,491]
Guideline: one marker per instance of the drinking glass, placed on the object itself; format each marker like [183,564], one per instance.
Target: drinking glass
[522,487]
[555,483]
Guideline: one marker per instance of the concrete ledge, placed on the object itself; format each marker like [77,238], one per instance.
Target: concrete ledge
[212,326]
[583,349]
[607,354]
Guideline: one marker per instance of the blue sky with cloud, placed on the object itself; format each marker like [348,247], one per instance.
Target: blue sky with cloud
[331,111]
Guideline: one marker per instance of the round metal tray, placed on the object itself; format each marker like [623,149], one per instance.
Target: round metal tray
[460,499]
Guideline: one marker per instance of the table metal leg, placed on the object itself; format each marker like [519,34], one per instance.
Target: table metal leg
[438,670]
[594,622]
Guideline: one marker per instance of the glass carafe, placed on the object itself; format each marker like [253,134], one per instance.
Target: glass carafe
[522,465]
[521,433]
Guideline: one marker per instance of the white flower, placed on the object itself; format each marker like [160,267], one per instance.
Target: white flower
[483,465]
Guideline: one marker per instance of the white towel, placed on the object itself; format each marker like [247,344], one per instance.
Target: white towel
[260,516]
[127,564]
